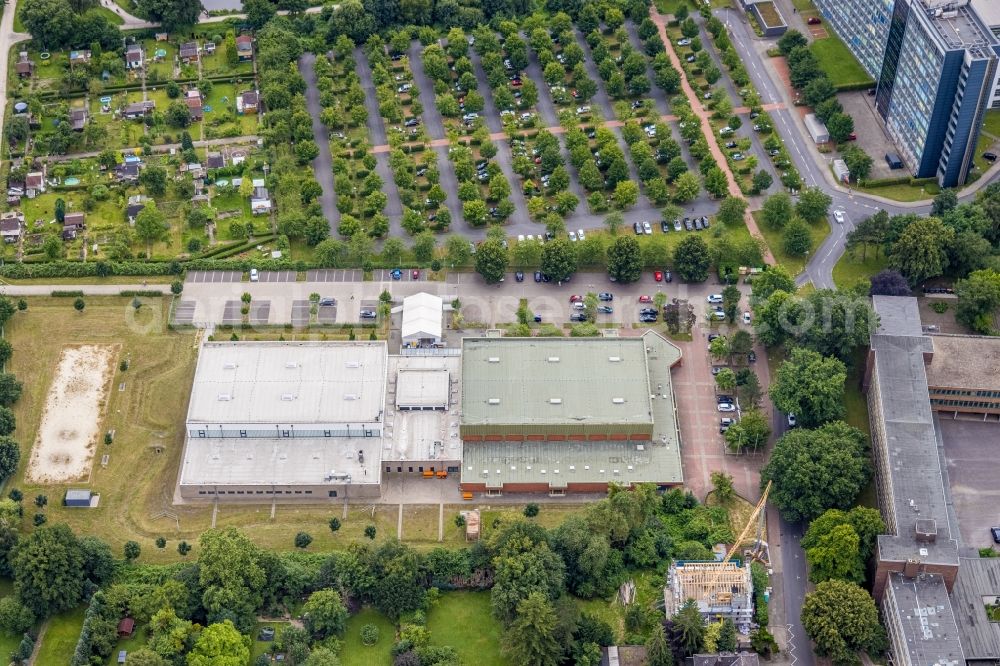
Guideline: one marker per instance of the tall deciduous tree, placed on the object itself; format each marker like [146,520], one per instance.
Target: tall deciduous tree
[979,301]
[625,260]
[816,470]
[531,638]
[173,15]
[324,613]
[922,249]
[151,226]
[559,259]
[810,386]
[491,260]
[47,566]
[231,575]
[691,259]
[220,644]
[777,210]
[841,619]
[731,210]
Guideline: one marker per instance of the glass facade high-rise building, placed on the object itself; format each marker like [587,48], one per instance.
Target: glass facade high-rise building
[935,62]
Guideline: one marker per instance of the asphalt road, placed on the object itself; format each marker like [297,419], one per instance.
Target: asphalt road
[323,164]
[376,132]
[434,125]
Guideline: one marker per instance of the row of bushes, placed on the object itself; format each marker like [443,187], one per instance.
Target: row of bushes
[142,293]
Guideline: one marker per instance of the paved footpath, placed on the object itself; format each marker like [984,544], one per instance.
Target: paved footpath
[661,25]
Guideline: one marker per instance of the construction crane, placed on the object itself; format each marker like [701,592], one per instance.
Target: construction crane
[758,516]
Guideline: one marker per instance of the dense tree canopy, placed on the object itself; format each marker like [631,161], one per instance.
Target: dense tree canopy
[841,619]
[816,470]
[47,570]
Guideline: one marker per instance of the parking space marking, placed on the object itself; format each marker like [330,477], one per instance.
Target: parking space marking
[231,313]
[259,312]
[300,313]
[327,314]
[184,312]
[277,276]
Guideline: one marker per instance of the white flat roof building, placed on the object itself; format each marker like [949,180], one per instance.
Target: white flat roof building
[263,388]
[422,314]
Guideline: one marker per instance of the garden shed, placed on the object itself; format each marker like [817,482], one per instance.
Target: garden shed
[77,498]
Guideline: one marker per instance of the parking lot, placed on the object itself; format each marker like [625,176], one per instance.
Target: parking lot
[209,300]
[214,276]
[970,454]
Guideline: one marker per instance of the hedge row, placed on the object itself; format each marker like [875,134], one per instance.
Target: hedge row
[67,293]
[144,293]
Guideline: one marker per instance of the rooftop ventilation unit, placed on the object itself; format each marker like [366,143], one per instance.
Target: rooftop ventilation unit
[618,401]
[615,359]
[288,397]
[494,401]
[229,366]
[350,396]
[493,359]
[225,397]
[353,364]
[555,401]
[553,359]
[291,365]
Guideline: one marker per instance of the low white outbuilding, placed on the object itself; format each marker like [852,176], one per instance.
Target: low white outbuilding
[422,317]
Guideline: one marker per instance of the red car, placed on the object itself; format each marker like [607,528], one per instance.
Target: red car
[658,276]
[852,137]
[415,274]
[574,298]
[815,20]
[515,82]
[645,299]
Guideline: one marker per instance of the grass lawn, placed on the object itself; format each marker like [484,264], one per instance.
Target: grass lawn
[794,265]
[803,5]
[60,638]
[113,18]
[839,63]
[139,639]
[648,592]
[904,191]
[463,620]
[848,271]
[991,123]
[356,653]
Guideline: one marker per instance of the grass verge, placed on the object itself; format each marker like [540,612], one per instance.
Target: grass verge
[849,270]
[904,191]
[838,62]
[794,265]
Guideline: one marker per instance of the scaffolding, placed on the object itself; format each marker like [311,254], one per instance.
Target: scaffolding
[720,589]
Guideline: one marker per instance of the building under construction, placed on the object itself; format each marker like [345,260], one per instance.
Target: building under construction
[721,590]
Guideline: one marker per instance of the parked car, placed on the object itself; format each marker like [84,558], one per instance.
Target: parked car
[677,224]
[726,407]
[990,157]
[578,316]
[684,42]
[716,369]
[519,276]
[581,235]
[751,356]
[327,302]
[814,20]
[646,228]
[538,276]
[687,224]
[368,314]
[538,319]
[658,276]
[575,297]
[254,275]
[665,226]
[724,424]
[578,305]
[791,420]
[605,296]
[715,299]
[746,317]
[647,319]
[415,274]
[647,311]
[637,227]
[668,276]
[718,315]
[995,533]
[645,299]
[605,309]
[572,236]
[838,215]
[396,274]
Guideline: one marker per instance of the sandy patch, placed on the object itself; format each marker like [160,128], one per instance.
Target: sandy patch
[71,421]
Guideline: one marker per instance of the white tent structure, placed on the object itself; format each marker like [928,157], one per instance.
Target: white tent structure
[422,316]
